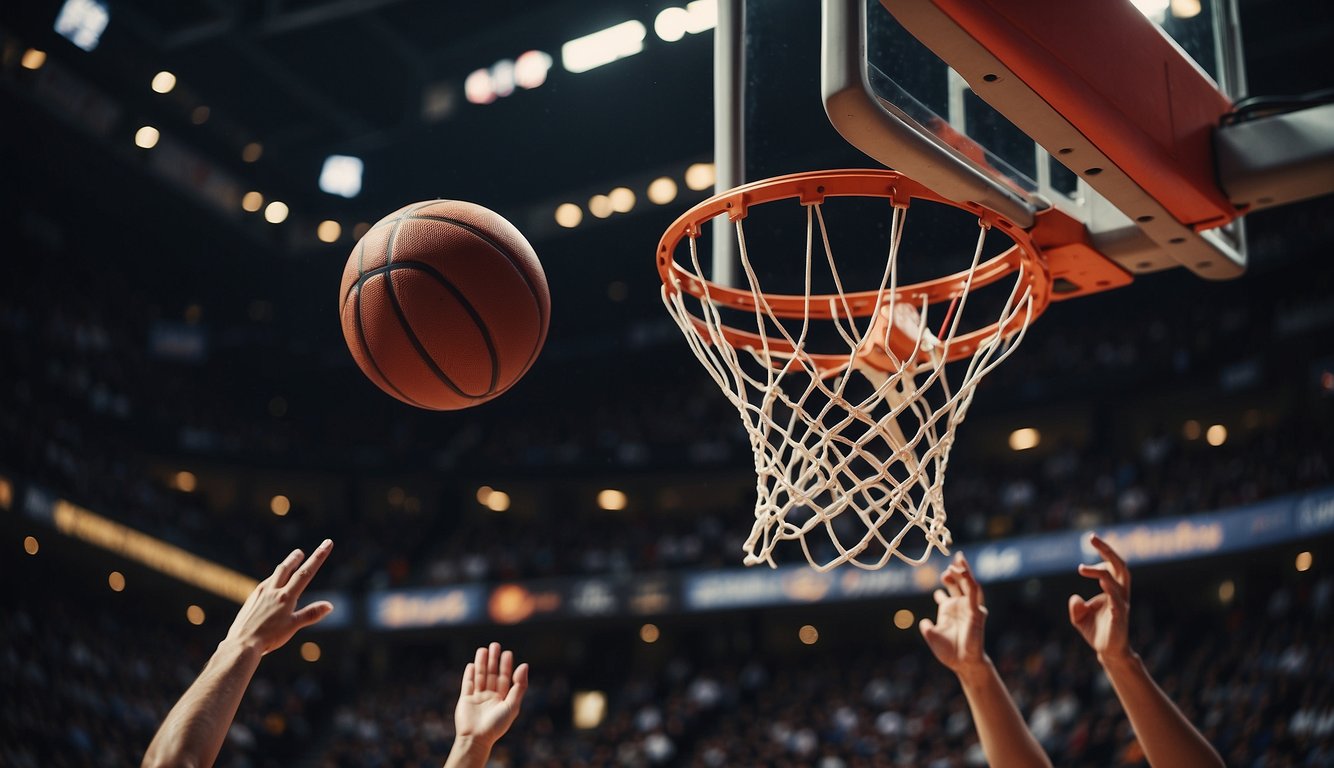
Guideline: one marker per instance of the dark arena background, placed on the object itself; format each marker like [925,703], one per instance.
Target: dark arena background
[178,411]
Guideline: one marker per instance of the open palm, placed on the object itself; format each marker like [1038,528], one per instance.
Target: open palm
[490,696]
[956,635]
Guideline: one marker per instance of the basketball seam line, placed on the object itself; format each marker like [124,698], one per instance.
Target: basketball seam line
[412,335]
[370,357]
[523,275]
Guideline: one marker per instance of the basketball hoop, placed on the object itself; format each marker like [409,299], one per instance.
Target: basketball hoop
[852,444]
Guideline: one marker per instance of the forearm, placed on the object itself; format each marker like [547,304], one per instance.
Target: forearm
[1005,737]
[1166,735]
[195,728]
[468,752]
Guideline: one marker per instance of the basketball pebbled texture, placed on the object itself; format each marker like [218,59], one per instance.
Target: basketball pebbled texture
[444,304]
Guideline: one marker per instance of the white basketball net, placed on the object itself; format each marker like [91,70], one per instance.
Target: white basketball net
[847,467]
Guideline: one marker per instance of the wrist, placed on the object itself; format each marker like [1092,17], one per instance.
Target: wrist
[472,746]
[1119,659]
[245,647]
[974,671]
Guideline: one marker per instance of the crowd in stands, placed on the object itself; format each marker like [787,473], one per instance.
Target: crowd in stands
[1253,677]
[88,680]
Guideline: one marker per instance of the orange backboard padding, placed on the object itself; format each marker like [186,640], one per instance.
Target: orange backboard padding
[1121,82]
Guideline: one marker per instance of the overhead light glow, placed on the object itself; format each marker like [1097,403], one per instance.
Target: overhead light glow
[280,505]
[116,580]
[569,215]
[498,501]
[82,22]
[612,500]
[622,199]
[341,175]
[1186,9]
[484,493]
[329,231]
[603,47]
[477,88]
[30,545]
[590,707]
[903,618]
[531,68]
[662,190]
[195,615]
[1023,439]
[1191,429]
[1226,591]
[185,481]
[700,176]
[146,137]
[163,82]
[1154,9]
[33,59]
[275,212]
[252,152]
[1216,436]
[310,651]
[808,635]
[674,23]
[1303,561]
[600,206]
[252,201]
[199,115]
[649,633]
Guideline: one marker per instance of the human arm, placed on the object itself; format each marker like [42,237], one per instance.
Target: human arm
[956,639]
[194,730]
[489,701]
[1166,735]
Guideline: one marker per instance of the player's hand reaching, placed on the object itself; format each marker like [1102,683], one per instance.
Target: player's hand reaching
[492,692]
[956,636]
[1104,619]
[269,618]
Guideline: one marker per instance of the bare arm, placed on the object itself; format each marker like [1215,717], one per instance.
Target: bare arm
[955,637]
[194,730]
[1166,735]
[489,701]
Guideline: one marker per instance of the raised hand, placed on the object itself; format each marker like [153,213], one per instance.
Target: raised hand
[1104,619]
[956,636]
[492,692]
[268,618]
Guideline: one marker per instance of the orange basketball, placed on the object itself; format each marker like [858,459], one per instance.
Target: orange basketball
[444,304]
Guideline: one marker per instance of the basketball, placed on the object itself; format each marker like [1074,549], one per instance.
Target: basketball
[444,304]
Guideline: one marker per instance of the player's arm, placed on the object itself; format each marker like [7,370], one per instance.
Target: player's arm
[488,703]
[1166,735]
[194,730]
[955,637]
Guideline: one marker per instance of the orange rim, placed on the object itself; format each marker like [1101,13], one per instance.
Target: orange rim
[813,187]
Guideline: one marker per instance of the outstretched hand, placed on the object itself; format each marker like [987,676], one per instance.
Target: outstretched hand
[1104,619]
[956,636]
[268,618]
[492,692]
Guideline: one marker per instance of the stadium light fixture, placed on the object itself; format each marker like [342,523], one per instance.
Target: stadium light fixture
[1154,9]
[1303,562]
[310,651]
[31,545]
[1216,436]
[280,505]
[1186,9]
[252,152]
[33,59]
[329,231]
[569,215]
[163,82]
[622,199]
[603,47]
[195,615]
[116,580]
[600,206]
[672,24]
[276,212]
[1024,439]
[612,500]
[341,175]
[662,190]
[146,137]
[903,618]
[590,707]
[649,633]
[808,635]
[82,22]
[700,176]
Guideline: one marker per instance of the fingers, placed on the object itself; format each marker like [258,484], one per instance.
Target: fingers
[515,695]
[506,671]
[312,613]
[940,596]
[1078,609]
[1118,564]
[306,572]
[479,671]
[967,582]
[926,627]
[950,578]
[469,679]
[1102,572]
[493,667]
[284,570]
